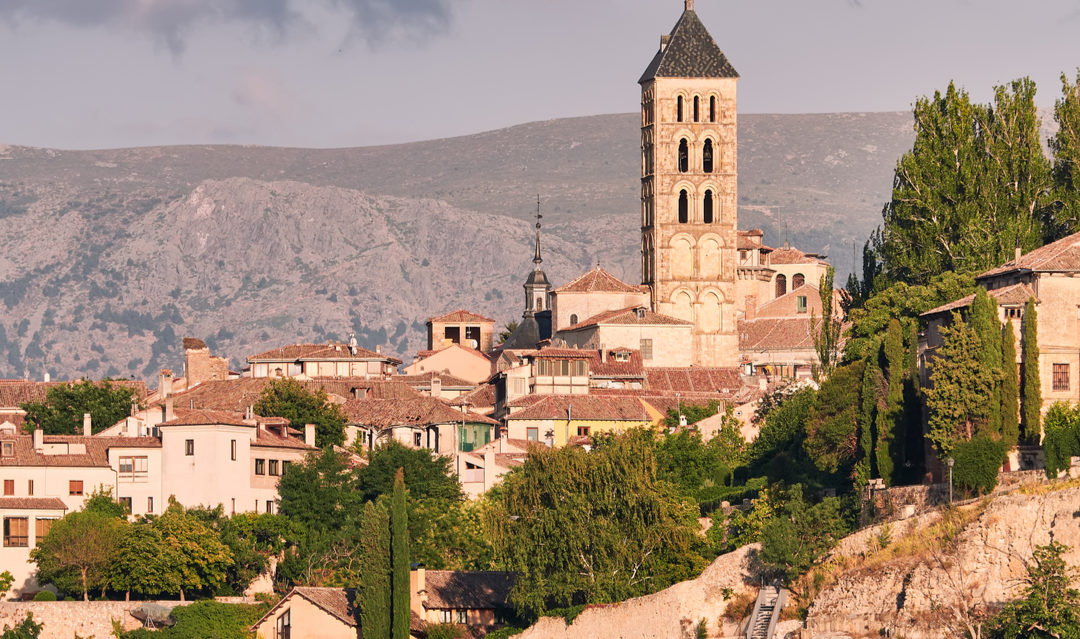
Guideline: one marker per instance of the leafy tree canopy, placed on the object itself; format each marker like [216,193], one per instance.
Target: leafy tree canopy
[290,399]
[65,404]
[426,475]
[1050,607]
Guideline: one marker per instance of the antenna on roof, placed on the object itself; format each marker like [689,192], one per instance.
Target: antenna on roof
[536,258]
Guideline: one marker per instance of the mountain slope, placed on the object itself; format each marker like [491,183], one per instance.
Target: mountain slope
[111,255]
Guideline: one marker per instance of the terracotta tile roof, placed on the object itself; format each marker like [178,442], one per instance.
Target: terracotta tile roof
[633,368]
[193,343]
[467,590]
[14,392]
[129,442]
[629,317]
[790,255]
[751,239]
[337,351]
[662,381]
[589,407]
[423,380]
[551,352]
[31,503]
[1062,255]
[417,411]
[238,394]
[268,439]
[205,417]
[774,333]
[482,396]
[598,281]
[777,306]
[94,455]
[1015,295]
[461,316]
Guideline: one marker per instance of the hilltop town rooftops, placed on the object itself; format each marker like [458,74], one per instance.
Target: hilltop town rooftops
[416,411]
[31,503]
[598,281]
[775,333]
[631,316]
[461,316]
[14,392]
[587,407]
[70,450]
[238,394]
[693,380]
[424,379]
[689,52]
[1015,295]
[1060,256]
[331,351]
[752,239]
[483,396]
[791,255]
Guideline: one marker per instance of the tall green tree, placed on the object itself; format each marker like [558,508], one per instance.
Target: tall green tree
[983,318]
[320,492]
[65,404]
[585,527]
[399,560]
[196,559]
[971,190]
[832,427]
[290,399]
[1031,390]
[427,476]
[960,385]
[1064,214]
[140,566]
[77,552]
[826,331]
[1010,388]
[1049,607]
[870,399]
[891,434]
[374,586]
[1061,439]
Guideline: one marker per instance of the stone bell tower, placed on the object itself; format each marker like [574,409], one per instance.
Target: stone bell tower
[689,187]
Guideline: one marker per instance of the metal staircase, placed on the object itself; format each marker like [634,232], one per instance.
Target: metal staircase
[770,601]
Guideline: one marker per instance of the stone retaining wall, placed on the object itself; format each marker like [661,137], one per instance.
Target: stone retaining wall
[64,619]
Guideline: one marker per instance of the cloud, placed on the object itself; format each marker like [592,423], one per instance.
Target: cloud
[169,22]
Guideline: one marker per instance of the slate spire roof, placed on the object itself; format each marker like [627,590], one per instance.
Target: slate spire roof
[690,53]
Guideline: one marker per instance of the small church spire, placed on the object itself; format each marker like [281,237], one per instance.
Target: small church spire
[536,258]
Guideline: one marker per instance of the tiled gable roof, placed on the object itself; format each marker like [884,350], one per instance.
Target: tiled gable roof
[31,503]
[692,380]
[690,53]
[1062,255]
[461,316]
[417,411]
[774,308]
[95,453]
[206,417]
[589,407]
[482,396]
[790,255]
[1015,295]
[467,590]
[237,394]
[265,438]
[628,317]
[598,281]
[423,380]
[634,367]
[14,392]
[328,351]
[772,333]
[752,239]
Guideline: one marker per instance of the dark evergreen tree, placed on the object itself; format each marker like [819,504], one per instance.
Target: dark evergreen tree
[891,435]
[869,394]
[826,330]
[959,386]
[399,560]
[374,586]
[984,322]
[913,457]
[1031,391]
[1010,388]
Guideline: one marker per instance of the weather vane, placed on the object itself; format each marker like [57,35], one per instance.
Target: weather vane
[538,216]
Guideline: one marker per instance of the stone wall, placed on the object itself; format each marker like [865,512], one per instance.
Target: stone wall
[63,619]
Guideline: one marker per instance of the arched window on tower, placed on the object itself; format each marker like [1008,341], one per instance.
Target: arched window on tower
[707,211]
[797,280]
[573,319]
[712,108]
[678,109]
[707,157]
[697,108]
[684,156]
[781,285]
[684,207]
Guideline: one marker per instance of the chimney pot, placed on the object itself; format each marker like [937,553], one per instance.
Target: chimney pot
[170,412]
[309,434]
[1019,252]
[48,378]
[39,439]
[87,426]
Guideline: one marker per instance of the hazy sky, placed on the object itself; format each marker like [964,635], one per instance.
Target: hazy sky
[108,73]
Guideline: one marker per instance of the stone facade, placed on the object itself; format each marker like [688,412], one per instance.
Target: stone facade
[64,619]
[200,366]
[689,195]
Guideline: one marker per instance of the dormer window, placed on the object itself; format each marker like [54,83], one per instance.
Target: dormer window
[622,356]
[801,304]
[7,449]
[639,312]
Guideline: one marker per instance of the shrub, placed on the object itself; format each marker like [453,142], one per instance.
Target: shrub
[977,464]
[444,631]
[25,629]
[45,595]
[740,606]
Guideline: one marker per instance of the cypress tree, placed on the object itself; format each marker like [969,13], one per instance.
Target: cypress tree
[912,455]
[399,560]
[374,587]
[866,465]
[984,321]
[1010,388]
[890,429]
[1031,395]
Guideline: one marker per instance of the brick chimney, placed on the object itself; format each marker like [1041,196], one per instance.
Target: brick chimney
[87,427]
[751,307]
[170,411]
[436,385]
[309,434]
[39,440]
[1019,252]
[165,380]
